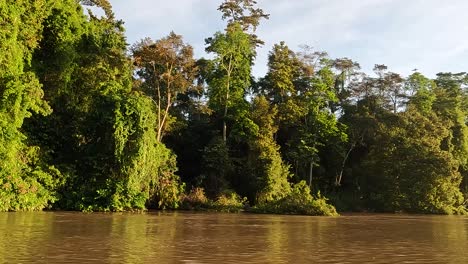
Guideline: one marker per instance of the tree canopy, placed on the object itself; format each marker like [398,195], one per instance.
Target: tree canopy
[91,123]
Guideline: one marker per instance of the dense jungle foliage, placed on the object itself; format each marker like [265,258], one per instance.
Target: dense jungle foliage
[91,123]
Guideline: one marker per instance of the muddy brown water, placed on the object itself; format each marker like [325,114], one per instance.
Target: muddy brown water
[183,237]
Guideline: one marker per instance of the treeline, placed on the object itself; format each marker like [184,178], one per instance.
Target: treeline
[90,123]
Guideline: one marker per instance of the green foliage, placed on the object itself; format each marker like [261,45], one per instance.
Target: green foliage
[218,167]
[194,200]
[27,183]
[298,201]
[421,89]
[451,106]
[100,137]
[269,175]
[30,185]
[138,170]
[168,188]
[146,168]
[402,156]
[409,170]
[82,124]
[227,201]
[230,78]
[301,86]
[283,68]
[244,13]
[232,66]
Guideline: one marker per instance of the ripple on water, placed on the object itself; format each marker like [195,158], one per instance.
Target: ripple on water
[230,238]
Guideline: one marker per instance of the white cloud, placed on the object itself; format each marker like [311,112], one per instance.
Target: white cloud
[430,35]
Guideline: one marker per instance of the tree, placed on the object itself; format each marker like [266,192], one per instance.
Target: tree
[27,181]
[269,174]
[166,69]
[101,135]
[450,105]
[320,125]
[301,86]
[231,76]
[244,13]
[283,67]
[421,92]
[408,169]
[346,71]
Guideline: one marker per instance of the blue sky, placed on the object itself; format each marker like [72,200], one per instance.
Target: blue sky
[429,35]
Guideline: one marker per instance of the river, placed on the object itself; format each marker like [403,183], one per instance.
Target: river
[183,237]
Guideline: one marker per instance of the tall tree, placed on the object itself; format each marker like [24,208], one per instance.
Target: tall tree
[320,125]
[283,70]
[269,174]
[246,14]
[421,93]
[166,69]
[346,72]
[231,77]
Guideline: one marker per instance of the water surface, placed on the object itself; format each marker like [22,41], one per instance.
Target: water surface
[63,237]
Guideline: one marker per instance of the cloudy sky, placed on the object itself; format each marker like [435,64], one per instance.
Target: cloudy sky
[428,35]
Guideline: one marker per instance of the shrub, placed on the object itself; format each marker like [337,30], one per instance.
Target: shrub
[227,201]
[298,201]
[195,199]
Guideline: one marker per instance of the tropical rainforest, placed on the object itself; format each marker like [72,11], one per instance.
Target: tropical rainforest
[89,122]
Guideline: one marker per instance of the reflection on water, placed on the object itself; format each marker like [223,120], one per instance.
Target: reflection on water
[62,237]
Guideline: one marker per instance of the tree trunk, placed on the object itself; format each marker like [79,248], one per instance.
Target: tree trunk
[224,130]
[340,175]
[311,173]
[226,104]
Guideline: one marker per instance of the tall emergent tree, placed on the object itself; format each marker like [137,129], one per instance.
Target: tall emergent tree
[234,54]
[166,68]
[231,76]
[246,14]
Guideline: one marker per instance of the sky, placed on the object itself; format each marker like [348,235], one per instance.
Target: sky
[428,35]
